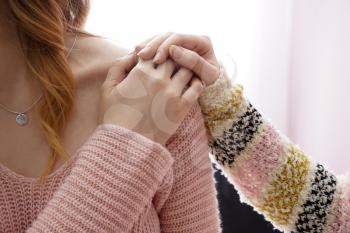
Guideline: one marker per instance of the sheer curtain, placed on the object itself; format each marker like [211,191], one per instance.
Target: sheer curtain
[320,80]
[292,57]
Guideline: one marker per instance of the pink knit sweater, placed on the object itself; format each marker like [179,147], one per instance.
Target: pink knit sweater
[120,181]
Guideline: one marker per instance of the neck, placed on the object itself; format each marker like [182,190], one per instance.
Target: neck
[17,89]
[14,86]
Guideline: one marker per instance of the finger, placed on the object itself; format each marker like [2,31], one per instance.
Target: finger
[181,79]
[126,63]
[162,71]
[192,94]
[199,44]
[193,61]
[119,69]
[166,69]
[143,44]
[151,48]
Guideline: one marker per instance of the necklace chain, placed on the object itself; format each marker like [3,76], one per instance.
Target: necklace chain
[21,115]
[30,107]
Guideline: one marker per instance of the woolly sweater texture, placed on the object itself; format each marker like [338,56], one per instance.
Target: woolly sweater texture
[271,173]
[120,181]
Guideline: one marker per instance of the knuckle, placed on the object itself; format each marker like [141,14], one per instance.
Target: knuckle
[170,92]
[206,38]
[169,64]
[143,69]
[197,85]
[141,73]
[198,63]
[169,33]
[197,88]
[156,36]
[158,82]
[200,88]
[139,70]
[139,47]
[184,72]
[176,36]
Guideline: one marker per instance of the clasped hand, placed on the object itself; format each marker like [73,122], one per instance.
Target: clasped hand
[152,97]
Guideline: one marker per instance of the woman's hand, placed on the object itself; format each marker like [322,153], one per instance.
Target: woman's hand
[190,51]
[148,100]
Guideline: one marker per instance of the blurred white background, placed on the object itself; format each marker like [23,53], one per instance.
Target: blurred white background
[291,57]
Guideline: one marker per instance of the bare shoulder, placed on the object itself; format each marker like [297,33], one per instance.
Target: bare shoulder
[90,61]
[93,56]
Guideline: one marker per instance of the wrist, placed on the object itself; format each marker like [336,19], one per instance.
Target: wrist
[216,93]
[152,136]
[210,81]
[221,75]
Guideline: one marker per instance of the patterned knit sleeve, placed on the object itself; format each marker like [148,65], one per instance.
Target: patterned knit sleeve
[271,173]
[116,174]
[192,206]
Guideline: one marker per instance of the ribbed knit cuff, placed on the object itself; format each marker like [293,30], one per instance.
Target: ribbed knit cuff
[215,94]
[221,102]
[115,176]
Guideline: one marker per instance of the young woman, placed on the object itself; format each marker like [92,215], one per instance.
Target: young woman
[120,181]
[271,173]
[129,168]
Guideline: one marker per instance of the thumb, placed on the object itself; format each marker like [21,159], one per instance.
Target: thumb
[191,60]
[119,69]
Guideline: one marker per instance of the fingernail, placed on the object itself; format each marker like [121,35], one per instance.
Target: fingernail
[137,48]
[157,57]
[175,51]
[144,50]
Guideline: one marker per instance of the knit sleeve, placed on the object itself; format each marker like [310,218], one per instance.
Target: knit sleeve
[271,173]
[116,174]
[192,204]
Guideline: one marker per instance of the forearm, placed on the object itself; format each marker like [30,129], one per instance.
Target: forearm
[192,204]
[269,171]
[115,176]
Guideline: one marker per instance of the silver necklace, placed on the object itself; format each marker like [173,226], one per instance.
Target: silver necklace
[22,118]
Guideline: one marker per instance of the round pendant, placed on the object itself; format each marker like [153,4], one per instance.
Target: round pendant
[22,119]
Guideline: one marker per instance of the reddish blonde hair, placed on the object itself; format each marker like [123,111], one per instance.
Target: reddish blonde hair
[41,27]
